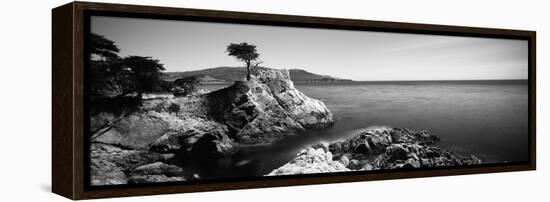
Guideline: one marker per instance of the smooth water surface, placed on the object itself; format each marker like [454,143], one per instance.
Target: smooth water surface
[488,119]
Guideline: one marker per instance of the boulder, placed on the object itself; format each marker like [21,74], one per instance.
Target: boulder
[364,143]
[310,161]
[110,164]
[104,172]
[397,152]
[136,130]
[344,160]
[157,168]
[194,134]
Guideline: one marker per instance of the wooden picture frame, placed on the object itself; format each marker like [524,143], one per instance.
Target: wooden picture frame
[69,149]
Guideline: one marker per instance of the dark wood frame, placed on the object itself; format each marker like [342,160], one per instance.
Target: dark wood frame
[68,101]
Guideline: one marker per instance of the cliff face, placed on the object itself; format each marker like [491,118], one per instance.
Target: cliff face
[266,108]
[261,110]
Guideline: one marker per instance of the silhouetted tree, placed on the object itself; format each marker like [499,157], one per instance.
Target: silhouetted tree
[244,52]
[107,77]
[103,47]
[145,73]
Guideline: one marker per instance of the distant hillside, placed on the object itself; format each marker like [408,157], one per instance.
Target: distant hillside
[230,74]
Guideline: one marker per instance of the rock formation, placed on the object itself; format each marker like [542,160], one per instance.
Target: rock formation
[259,111]
[310,161]
[266,108]
[377,149]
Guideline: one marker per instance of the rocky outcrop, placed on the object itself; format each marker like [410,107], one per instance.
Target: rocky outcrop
[156,172]
[310,161]
[111,165]
[266,108]
[261,110]
[194,134]
[384,148]
[376,141]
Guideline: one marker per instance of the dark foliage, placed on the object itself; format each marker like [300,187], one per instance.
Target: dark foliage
[145,72]
[103,47]
[112,78]
[107,76]
[244,52]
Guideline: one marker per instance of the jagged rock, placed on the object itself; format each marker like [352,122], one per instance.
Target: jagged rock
[381,148]
[266,108]
[136,131]
[153,178]
[365,142]
[109,164]
[194,134]
[104,172]
[156,172]
[412,163]
[354,164]
[158,168]
[412,155]
[344,160]
[375,141]
[213,144]
[397,152]
[310,161]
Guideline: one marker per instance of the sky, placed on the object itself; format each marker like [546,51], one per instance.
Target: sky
[358,55]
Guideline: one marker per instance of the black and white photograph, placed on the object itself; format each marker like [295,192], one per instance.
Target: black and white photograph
[191,101]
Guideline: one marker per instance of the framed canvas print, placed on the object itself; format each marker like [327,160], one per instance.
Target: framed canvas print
[156,100]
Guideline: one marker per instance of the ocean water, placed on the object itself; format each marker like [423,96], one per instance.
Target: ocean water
[486,118]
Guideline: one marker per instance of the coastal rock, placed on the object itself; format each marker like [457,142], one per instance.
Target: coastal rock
[413,150]
[135,131]
[310,161]
[266,108]
[194,134]
[156,172]
[378,149]
[344,160]
[397,152]
[158,168]
[104,172]
[132,145]
[153,178]
[310,113]
[375,141]
[261,110]
[110,164]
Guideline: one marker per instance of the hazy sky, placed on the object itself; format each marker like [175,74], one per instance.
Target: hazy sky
[357,55]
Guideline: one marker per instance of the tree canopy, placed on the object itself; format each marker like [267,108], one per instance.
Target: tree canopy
[102,46]
[244,52]
[112,76]
[145,71]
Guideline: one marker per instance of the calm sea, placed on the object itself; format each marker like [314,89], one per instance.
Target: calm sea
[486,118]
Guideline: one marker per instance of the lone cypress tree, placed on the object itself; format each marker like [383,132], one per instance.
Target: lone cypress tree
[244,52]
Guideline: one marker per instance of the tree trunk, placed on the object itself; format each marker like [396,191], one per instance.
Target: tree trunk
[248,71]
